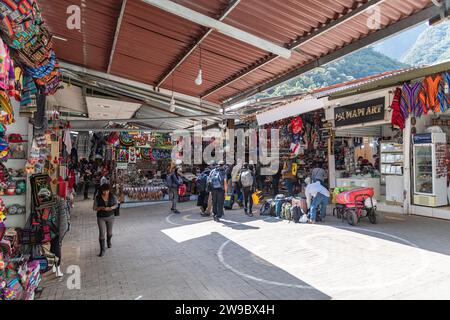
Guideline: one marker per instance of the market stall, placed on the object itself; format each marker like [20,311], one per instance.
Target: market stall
[29,72]
[304,142]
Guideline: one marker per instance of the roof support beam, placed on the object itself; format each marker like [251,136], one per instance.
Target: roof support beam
[406,23]
[116,35]
[219,26]
[197,42]
[301,40]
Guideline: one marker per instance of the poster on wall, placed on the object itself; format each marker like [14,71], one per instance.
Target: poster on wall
[361,112]
[42,190]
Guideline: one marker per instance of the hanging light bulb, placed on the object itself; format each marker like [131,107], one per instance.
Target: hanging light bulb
[199,79]
[172,104]
[172,100]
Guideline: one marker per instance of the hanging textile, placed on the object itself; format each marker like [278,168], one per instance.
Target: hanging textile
[67,141]
[83,145]
[410,98]
[297,125]
[432,87]
[397,115]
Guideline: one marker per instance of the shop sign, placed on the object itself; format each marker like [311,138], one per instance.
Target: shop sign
[122,166]
[422,138]
[361,112]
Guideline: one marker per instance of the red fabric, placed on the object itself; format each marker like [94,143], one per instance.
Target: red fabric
[182,190]
[397,117]
[348,197]
[297,125]
[71,179]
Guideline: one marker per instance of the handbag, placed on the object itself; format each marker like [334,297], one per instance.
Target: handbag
[13,290]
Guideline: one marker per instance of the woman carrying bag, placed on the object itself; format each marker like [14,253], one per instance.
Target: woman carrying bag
[105,203]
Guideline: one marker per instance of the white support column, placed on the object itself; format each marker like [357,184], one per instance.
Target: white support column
[407,137]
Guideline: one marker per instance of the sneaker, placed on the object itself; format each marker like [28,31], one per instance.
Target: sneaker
[176,211]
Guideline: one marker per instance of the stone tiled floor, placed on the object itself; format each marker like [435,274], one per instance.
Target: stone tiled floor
[157,255]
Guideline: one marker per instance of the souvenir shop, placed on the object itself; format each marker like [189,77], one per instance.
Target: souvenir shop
[141,161]
[34,198]
[427,117]
[304,142]
[367,150]
[396,141]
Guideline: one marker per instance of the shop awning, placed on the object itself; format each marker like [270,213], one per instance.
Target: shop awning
[161,48]
[291,109]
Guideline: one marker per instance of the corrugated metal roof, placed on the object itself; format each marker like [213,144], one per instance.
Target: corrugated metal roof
[151,40]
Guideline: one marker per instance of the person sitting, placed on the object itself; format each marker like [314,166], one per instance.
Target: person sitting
[321,197]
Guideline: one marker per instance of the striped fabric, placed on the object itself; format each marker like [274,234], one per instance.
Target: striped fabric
[410,99]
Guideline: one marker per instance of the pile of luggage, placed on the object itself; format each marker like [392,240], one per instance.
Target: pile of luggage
[287,208]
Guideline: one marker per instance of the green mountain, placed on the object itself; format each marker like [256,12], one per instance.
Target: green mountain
[432,46]
[360,64]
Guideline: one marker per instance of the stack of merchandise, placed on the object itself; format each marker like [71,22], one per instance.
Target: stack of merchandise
[19,277]
[24,31]
[27,63]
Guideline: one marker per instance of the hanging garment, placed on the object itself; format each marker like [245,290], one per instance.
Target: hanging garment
[444,96]
[297,125]
[410,98]
[7,75]
[68,141]
[423,101]
[397,115]
[432,88]
[443,102]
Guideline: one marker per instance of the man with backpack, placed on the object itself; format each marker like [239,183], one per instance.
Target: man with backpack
[174,181]
[203,194]
[217,185]
[247,183]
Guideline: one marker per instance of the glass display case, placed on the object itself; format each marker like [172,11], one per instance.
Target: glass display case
[391,159]
[430,171]
[424,169]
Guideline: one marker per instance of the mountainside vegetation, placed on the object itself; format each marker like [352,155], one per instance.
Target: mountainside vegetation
[360,64]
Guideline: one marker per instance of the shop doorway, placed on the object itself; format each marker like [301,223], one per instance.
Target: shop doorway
[371,157]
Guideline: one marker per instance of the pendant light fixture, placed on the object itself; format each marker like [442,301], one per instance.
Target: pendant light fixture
[172,100]
[199,79]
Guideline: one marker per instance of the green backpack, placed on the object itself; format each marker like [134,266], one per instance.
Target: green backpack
[286,212]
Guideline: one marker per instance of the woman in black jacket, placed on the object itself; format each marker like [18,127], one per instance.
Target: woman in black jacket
[105,204]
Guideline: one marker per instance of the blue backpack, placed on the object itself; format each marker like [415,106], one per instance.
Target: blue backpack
[216,179]
[202,181]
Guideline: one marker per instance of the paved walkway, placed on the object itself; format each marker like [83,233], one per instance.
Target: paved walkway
[157,255]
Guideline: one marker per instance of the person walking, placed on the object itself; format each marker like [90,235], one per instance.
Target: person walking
[288,175]
[276,181]
[87,179]
[235,174]
[321,197]
[203,194]
[105,203]
[247,182]
[174,181]
[217,185]
[105,177]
